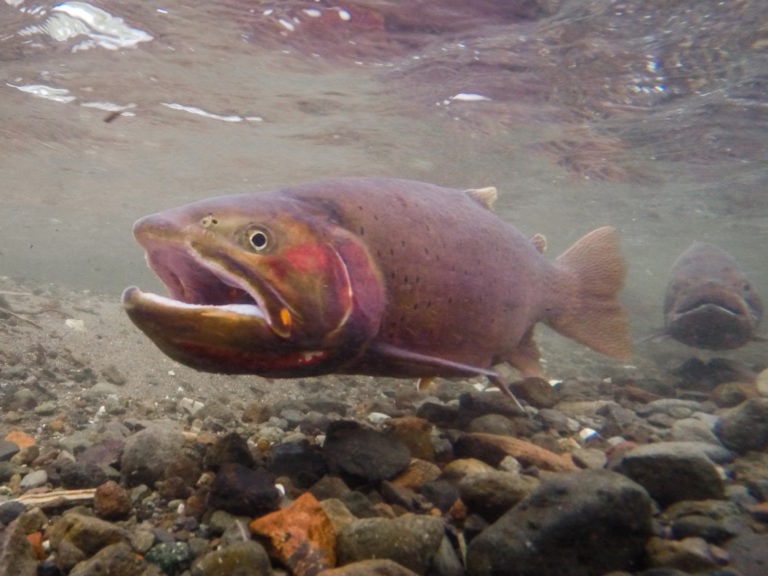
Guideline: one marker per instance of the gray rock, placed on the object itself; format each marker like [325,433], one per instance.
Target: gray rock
[493,424]
[410,540]
[171,557]
[445,562]
[34,479]
[23,399]
[148,452]
[229,448]
[589,458]
[241,490]
[299,460]
[378,567]
[7,450]
[708,529]
[690,555]
[712,520]
[73,475]
[673,407]
[672,471]
[240,559]
[697,428]
[558,421]
[11,510]
[715,452]
[745,427]
[326,404]
[748,554]
[86,533]
[7,470]
[76,442]
[102,390]
[46,408]
[17,558]
[115,560]
[33,520]
[237,531]
[580,524]
[491,494]
[363,453]
[105,452]
[141,537]
[617,419]
[219,521]
[474,404]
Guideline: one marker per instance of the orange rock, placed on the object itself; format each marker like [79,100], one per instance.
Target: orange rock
[57,425]
[36,539]
[111,501]
[300,535]
[418,473]
[21,439]
[415,433]
[529,454]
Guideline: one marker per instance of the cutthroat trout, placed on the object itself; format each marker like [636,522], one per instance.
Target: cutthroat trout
[375,276]
[709,302]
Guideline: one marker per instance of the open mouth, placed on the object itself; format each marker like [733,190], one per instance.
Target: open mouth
[194,282]
[724,305]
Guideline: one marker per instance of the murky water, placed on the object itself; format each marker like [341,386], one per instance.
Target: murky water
[650,116]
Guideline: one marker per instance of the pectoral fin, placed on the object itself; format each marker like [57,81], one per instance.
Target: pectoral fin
[424,363]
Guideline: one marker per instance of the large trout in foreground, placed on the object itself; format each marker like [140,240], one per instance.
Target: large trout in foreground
[368,276]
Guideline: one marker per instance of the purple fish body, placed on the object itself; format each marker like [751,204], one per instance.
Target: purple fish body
[368,276]
[710,303]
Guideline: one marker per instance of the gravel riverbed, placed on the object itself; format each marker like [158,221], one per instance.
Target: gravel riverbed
[115,460]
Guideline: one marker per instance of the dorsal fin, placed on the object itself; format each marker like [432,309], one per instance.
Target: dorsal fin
[486,196]
[540,242]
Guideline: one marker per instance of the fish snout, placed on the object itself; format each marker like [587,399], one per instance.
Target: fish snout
[154,228]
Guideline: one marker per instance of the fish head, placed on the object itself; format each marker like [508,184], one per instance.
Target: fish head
[710,303]
[256,284]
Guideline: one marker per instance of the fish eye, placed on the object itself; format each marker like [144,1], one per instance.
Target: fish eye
[259,239]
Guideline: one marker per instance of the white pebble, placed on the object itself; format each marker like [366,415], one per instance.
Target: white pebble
[378,417]
[468,97]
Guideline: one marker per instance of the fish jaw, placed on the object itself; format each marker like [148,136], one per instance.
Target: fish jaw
[712,318]
[218,338]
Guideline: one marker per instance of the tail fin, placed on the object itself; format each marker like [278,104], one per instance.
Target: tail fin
[592,272]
